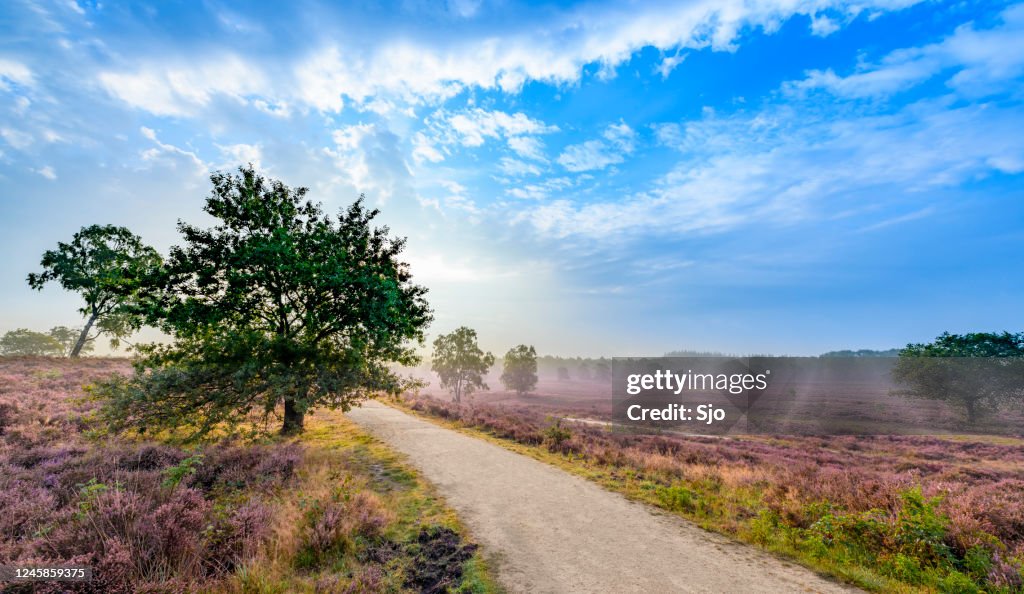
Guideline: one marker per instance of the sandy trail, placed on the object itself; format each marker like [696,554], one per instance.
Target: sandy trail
[545,530]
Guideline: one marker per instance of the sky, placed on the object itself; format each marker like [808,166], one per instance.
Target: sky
[594,178]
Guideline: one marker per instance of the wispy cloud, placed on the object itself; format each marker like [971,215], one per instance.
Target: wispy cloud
[980,61]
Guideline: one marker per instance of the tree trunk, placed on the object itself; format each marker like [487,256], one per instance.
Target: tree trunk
[972,415]
[83,337]
[293,418]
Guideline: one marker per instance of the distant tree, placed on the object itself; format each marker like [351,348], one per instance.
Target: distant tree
[520,372]
[106,265]
[583,371]
[861,353]
[277,306]
[602,372]
[24,342]
[563,374]
[979,371]
[459,363]
[68,339]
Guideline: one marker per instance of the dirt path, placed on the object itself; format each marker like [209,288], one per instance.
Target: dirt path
[546,530]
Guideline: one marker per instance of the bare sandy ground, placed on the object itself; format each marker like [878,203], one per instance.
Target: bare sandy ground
[545,530]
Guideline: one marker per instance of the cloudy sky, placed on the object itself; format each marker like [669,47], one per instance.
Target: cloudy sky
[614,178]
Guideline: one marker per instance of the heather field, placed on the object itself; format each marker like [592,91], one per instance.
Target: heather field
[888,513]
[333,511]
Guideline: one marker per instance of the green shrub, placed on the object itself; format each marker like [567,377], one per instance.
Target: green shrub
[958,583]
[555,434]
[173,475]
[678,498]
[921,529]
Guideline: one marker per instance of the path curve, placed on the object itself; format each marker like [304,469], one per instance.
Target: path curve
[545,530]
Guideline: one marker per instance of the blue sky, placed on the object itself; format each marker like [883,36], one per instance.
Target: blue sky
[593,178]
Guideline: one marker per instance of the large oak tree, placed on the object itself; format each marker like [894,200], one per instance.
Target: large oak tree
[277,307]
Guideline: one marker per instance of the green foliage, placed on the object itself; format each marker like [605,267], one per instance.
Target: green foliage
[459,363]
[24,342]
[920,529]
[68,339]
[60,341]
[556,434]
[107,266]
[979,371]
[520,372]
[87,494]
[678,498]
[173,475]
[278,303]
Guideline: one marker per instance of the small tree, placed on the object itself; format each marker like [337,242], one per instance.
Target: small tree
[978,371]
[277,307]
[520,372]
[583,371]
[459,363]
[563,374]
[106,265]
[24,342]
[602,372]
[68,339]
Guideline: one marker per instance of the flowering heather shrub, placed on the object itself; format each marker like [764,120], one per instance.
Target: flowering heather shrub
[108,504]
[335,526]
[881,493]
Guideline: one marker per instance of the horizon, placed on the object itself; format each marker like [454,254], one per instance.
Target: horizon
[591,180]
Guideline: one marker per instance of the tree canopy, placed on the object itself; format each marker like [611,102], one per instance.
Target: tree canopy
[520,369]
[60,341]
[979,371]
[107,266]
[277,307]
[24,342]
[459,363]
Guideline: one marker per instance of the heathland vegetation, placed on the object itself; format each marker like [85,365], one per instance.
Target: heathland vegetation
[888,513]
[330,511]
[215,461]
[164,473]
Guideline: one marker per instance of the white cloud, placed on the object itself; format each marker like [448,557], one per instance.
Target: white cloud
[47,172]
[669,63]
[984,61]
[542,190]
[588,156]
[181,90]
[473,126]
[424,150]
[619,140]
[240,154]
[823,26]
[529,147]
[16,138]
[12,72]
[783,165]
[420,68]
[517,168]
[172,156]
[278,109]
[368,158]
